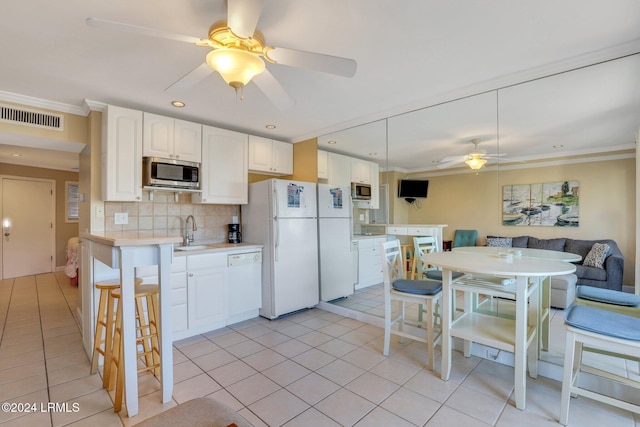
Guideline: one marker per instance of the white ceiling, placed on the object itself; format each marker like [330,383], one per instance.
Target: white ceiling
[410,54]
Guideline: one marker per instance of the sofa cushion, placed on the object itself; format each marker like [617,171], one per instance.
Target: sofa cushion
[579,247]
[563,281]
[519,242]
[500,242]
[597,255]
[549,244]
[591,273]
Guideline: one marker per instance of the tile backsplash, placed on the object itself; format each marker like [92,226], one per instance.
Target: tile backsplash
[165,215]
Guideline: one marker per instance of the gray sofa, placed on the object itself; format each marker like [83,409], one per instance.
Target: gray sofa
[563,287]
[609,277]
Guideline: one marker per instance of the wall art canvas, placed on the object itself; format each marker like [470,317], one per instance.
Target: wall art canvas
[554,204]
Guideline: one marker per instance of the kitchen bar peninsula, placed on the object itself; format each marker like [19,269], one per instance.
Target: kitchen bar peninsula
[125,251]
[504,277]
[418,230]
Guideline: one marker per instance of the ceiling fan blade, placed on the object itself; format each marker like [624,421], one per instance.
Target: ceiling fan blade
[314,61]
[273,90]
[137,29]
[443,165]
[453,158]
[243,16]
[190,79]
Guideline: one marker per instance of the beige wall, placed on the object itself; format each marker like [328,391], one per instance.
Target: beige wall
[64,230]
[305,164]
[470,201]
[305,161]
[74,127]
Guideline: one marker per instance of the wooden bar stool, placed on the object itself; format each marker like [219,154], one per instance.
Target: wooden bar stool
[105,317]
[147,338]
[407,258]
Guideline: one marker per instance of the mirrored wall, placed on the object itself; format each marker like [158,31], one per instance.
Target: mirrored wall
[577,113]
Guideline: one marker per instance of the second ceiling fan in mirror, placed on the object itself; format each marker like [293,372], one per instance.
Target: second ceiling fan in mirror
[475,158]
[238,52]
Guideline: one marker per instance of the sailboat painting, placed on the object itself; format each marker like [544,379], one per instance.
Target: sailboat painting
[554,204]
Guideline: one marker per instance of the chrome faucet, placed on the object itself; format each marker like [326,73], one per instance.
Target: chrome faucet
[188,236]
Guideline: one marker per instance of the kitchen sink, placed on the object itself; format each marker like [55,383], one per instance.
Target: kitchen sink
[190,248]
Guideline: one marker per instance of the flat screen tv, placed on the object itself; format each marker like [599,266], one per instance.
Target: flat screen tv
[413,188]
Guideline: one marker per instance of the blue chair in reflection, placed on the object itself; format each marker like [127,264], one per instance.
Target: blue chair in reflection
[465,238]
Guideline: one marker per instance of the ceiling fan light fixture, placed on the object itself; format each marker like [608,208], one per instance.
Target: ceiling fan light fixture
[475,162]
[236,66]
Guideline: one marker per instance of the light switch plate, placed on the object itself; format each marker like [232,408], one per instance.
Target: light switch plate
[99,211]
[361,217]
[121,218]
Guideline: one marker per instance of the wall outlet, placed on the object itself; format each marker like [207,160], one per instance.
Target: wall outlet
[122,218]
[493,354]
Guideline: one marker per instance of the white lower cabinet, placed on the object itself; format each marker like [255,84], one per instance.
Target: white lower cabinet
[369,261]
[207,290]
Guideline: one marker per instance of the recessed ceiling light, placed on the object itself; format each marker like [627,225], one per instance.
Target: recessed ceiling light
[178,104]
[16,155]
[270,126]
[558,146]
[331,142]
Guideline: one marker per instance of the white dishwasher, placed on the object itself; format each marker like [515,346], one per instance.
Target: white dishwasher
[244,286]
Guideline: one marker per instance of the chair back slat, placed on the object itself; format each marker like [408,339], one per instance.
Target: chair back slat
[392,267]
[422,245]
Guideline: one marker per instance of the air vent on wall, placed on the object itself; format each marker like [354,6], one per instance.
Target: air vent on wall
[27,117]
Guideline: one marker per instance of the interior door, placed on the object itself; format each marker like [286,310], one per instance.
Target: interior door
[28,238]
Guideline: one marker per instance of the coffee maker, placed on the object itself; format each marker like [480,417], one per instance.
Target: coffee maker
[235,236]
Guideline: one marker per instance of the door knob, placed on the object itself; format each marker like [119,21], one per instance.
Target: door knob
[7,234]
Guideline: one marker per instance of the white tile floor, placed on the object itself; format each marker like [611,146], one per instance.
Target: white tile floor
[310,369]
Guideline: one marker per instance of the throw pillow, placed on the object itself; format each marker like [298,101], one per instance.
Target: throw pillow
[500,242]
[597,255]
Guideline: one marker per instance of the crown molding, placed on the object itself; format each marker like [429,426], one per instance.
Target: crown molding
[30,101]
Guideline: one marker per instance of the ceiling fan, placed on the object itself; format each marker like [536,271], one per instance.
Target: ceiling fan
[238,52]
[475,158]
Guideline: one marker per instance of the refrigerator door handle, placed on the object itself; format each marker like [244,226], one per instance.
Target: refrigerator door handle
[275,222]
[276,232]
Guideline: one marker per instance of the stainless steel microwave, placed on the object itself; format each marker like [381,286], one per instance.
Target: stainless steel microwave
[159,172]
[360,191]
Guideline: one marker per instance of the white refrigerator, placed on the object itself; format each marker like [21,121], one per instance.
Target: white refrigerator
[282,216]
[337,268]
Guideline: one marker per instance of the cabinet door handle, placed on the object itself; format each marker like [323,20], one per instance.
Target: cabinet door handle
[190,274]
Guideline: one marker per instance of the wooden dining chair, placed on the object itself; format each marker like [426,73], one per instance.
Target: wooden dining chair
[595,328]
[424,292]
[422,245]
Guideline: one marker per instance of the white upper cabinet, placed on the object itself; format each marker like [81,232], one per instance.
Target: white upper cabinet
[270,157]
[323,172]
[172,138]
[338,170]
[223,174]
[360,172]
[121,155]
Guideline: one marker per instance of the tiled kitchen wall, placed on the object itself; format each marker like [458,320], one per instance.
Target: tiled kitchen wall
[165,215]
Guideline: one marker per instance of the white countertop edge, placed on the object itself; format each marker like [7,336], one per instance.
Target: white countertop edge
[130,238]
[222,247]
